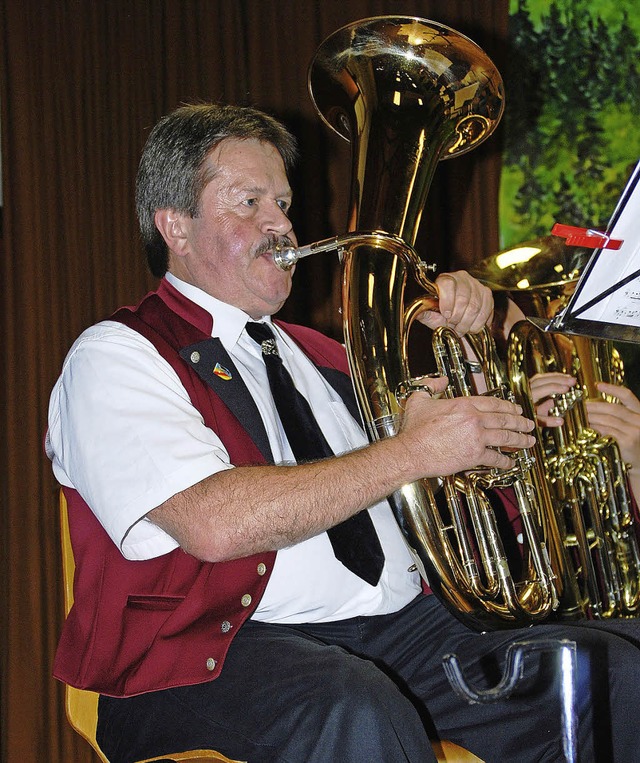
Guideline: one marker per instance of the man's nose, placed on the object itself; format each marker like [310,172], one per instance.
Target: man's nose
[276,221]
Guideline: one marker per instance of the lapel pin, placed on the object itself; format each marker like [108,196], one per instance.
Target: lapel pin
[221,372]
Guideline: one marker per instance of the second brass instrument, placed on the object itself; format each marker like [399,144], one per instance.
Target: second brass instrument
[586,472]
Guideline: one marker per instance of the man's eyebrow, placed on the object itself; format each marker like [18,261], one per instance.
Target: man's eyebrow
[260,190]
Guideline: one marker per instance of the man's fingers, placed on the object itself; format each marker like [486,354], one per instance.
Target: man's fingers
[601,412]
[464,303]
[496,459]
[483,317]
[512,439]
[491,404]
[547,384]
[624,394]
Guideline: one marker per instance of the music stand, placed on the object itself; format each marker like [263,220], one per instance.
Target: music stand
[606,300]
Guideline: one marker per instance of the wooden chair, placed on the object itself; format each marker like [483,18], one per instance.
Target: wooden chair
[81,705]
[449,752]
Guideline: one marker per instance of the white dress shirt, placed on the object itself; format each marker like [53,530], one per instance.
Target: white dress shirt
[123,432]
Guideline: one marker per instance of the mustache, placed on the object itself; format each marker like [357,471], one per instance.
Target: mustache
[270,243]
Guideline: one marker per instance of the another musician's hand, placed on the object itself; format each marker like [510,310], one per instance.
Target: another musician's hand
[620,420]
[543,386]
[464,304]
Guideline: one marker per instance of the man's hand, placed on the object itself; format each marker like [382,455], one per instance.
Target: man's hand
[446,436]
[619,420]
[465,305]
[543,386]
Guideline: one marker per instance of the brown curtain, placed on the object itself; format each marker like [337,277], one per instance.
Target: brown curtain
[81,83]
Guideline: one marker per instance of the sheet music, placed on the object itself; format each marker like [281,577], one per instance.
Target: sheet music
[626,308]
[611,281]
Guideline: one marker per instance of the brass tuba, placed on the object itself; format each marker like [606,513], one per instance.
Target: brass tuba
[586,472]
[407,92]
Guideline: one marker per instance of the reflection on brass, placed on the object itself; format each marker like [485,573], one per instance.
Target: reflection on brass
[545,263]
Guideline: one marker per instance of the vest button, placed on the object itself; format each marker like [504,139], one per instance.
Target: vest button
[246,600]
[211,664]
[226,626]
[262,568]
[195,357]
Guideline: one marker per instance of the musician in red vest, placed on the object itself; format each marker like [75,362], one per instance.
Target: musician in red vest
[241,583]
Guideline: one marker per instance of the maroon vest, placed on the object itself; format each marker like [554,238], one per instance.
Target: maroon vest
[139,626]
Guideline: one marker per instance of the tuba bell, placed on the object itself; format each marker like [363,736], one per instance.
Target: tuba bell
[408,92]
[586,472]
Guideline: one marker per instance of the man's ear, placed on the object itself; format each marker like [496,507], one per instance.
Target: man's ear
[173,229]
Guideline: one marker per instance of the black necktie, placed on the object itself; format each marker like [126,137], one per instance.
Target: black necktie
[355,541]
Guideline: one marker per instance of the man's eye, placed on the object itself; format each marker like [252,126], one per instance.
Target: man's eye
[250,202]
[284,205]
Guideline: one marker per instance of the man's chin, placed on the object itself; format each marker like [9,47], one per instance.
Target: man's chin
[269,306]
[275,307]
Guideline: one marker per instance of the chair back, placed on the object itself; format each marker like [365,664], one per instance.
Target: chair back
[81,706]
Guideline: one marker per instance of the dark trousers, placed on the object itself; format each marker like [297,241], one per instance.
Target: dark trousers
[373,689]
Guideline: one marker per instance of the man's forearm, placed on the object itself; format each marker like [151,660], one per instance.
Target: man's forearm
[256,508]
[249,509]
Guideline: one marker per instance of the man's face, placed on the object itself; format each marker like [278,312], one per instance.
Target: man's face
[227,249]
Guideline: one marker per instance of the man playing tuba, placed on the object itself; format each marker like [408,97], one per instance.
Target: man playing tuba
[214,604]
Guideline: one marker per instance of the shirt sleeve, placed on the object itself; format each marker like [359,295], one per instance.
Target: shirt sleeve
[123,432]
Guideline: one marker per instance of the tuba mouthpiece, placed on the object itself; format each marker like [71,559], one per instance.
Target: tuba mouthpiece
[285,257]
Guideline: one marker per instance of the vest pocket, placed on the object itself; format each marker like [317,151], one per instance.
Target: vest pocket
[154,602]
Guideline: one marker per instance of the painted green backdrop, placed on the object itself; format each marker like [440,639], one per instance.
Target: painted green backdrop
[572,123]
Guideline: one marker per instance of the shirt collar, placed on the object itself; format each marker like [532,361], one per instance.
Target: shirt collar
[228,321]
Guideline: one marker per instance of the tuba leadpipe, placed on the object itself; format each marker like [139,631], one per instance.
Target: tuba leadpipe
[406,93]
